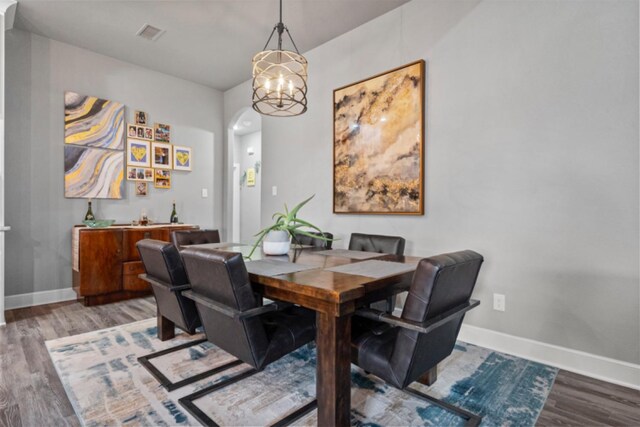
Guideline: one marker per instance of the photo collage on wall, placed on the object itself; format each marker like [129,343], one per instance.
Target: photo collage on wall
[151,157]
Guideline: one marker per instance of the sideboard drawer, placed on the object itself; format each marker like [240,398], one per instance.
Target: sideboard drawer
[132,268]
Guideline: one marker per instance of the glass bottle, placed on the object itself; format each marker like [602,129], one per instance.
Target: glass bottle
[89,216]
[174,214]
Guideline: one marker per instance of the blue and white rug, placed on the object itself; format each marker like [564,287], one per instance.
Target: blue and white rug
[107,386]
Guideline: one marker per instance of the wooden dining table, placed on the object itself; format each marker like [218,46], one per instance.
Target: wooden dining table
[333,283]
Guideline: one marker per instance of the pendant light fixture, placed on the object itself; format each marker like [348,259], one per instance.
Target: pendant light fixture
[279,78]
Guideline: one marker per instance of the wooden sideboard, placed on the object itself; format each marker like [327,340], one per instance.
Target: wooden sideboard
[106,262]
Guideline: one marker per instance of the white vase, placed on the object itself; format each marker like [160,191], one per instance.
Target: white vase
[276,243]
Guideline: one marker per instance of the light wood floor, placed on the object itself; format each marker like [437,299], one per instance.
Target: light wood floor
[31,393]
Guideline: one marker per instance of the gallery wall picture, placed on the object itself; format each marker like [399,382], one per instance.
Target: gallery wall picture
[141,189]
[162,155]
[162,179]
[162,132]
[138,153]
[93,122]
[93,173]
[139,174]
[182,158]
[378,143]
[140,117]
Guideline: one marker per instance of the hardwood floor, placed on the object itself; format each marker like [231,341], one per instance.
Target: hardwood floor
[32,395]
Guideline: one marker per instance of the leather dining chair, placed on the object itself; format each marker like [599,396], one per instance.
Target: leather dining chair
[401,350]
[301,239]
[182,238]
[168,279]
[234,321]
[381,244]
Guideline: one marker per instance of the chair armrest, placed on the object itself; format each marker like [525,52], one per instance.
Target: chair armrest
[233,313]
[423,327]
[153,281]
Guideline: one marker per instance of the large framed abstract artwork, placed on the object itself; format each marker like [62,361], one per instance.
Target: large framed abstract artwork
[94,147]
[378,144]
[93,173]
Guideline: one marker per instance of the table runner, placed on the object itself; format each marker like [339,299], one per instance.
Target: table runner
[374,268]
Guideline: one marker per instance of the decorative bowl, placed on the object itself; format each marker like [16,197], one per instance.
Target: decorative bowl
[99,223]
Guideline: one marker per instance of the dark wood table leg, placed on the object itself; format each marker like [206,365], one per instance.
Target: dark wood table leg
[333,378]
[429,377]
[166,328]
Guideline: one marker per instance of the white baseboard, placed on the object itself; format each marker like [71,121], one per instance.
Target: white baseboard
[602,368]
[38,298]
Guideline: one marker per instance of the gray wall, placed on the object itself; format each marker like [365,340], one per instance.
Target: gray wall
[531,156]
[39,70]
[249,196]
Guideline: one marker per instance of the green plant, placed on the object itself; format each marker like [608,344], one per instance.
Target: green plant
[289,222]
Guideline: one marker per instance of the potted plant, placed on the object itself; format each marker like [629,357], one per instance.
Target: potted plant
[276,238]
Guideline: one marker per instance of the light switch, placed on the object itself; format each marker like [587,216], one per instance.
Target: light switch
[274,191]
[205,193]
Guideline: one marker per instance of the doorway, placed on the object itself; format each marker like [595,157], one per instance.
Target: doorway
[245,145]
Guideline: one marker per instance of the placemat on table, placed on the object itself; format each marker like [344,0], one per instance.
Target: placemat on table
[345,253]
[374,268]
[267,267]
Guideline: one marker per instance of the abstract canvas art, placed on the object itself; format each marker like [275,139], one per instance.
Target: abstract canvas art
[93,122]
[93,173]
[378,143]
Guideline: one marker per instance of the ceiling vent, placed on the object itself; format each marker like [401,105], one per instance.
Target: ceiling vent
[150,32]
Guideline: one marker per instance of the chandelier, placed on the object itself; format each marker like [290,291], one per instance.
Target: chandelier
[279,78]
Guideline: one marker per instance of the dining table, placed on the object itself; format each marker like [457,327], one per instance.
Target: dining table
[334,283]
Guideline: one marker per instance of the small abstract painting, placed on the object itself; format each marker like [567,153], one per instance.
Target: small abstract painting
[93,122]
[138,153]
[93,173]
[378,143]
[181,158]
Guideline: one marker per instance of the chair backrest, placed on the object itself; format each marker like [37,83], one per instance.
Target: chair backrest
[194,237]
[440,283]
[377,243]
[315,242]
[223,278]
[162,262]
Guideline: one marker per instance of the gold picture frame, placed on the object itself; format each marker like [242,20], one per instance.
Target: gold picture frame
[161,155]
[378,144]
[162,179]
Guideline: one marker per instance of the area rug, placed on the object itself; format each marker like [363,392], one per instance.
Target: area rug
[107,386]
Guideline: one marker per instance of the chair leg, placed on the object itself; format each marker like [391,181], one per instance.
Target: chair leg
[472,420]
[187,402]
[166,382]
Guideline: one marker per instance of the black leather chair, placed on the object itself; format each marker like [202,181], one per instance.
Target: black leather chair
[182,238]
[401,350]
[234,320]
[301,239]
[381,244]
[168,279]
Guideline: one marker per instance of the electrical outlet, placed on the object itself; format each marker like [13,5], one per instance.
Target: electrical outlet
[499,302]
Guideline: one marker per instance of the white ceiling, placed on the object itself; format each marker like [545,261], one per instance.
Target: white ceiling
[207,41]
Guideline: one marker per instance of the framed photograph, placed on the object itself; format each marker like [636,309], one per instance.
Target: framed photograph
[162,155]
[141,118]
[138,153]
[378,144]
[139,174]
[132,131]
[141,189]
[140,132]
[162,179]
[162,132]
[148,133]
[181,158]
